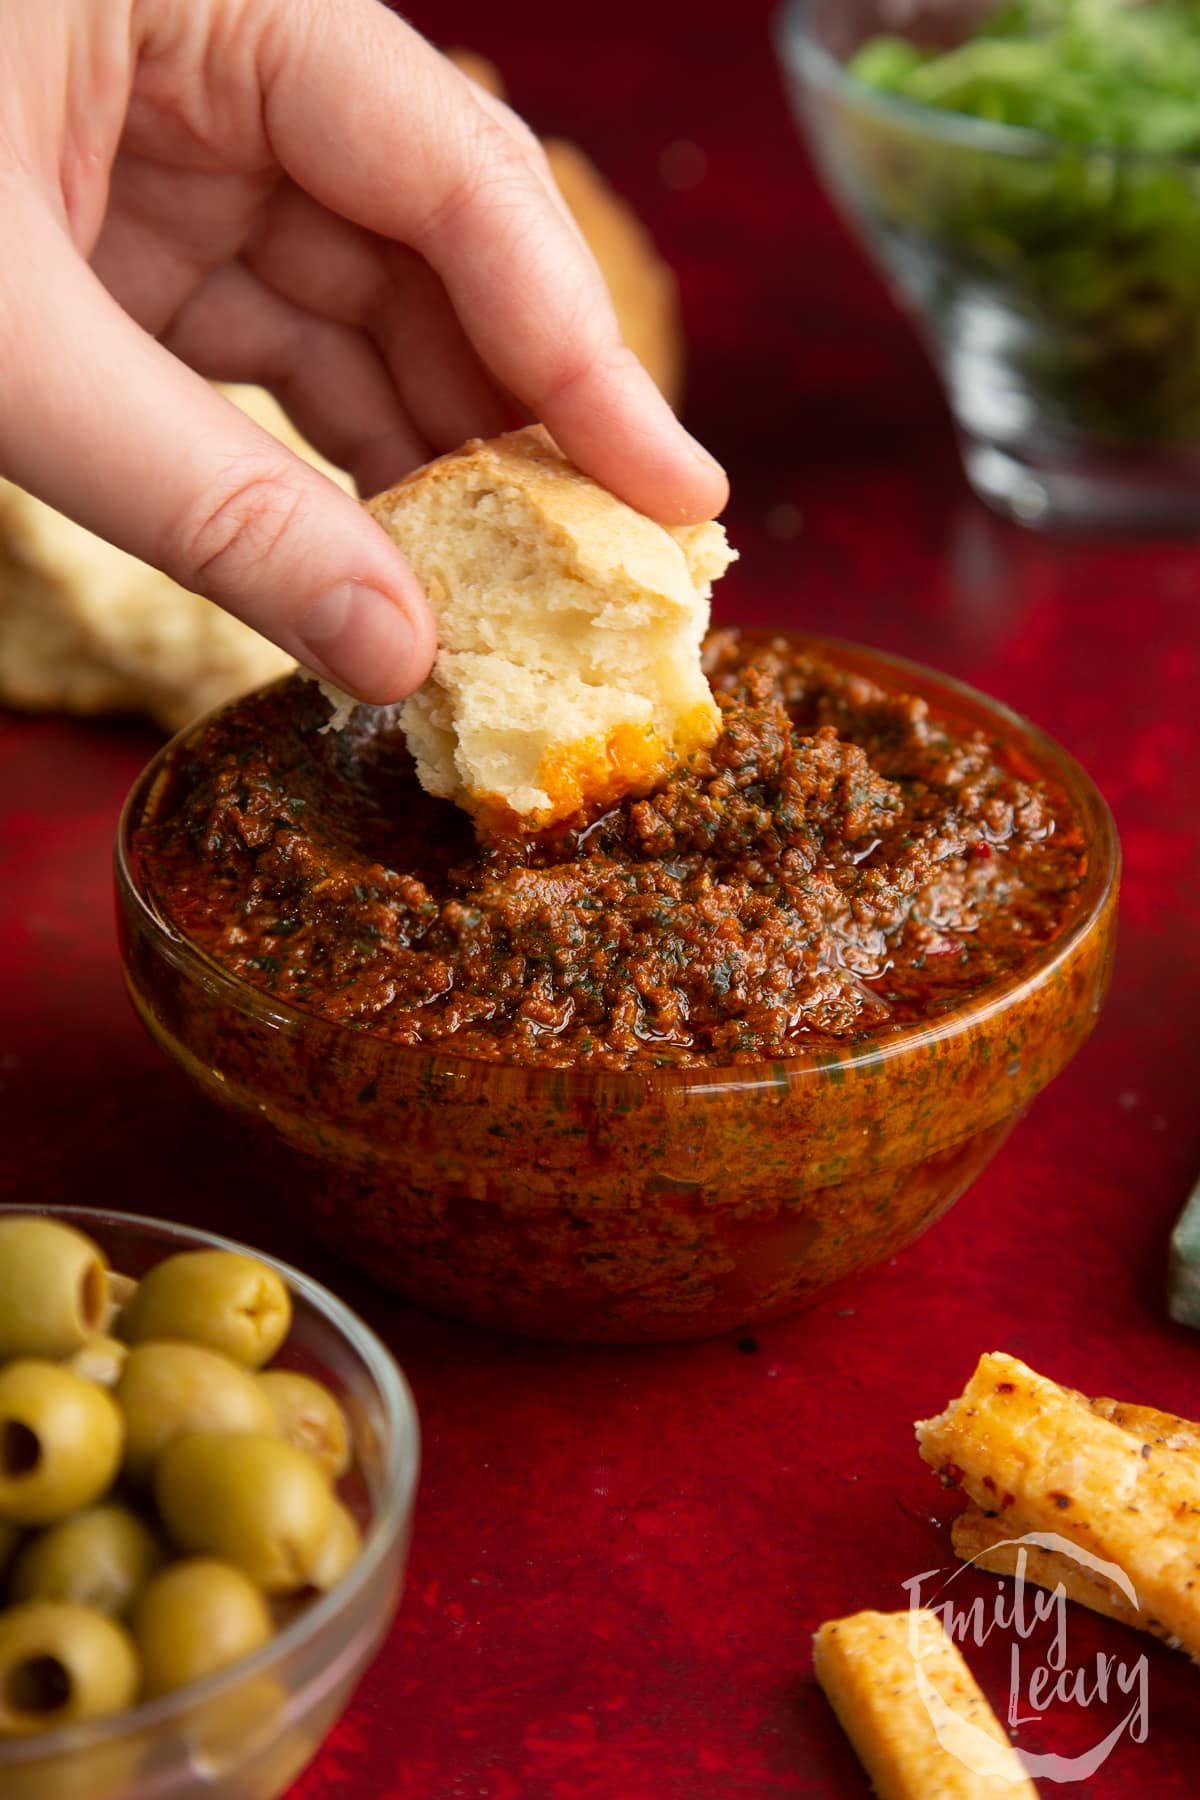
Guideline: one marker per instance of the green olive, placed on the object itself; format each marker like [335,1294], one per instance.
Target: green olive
[309,1417]
[60,1442]
[121,1289]
[105,1771]
[253,1500]
[166,1389]
[343,1542]
[100,1558]
[10,1537]
[100,1359]
[53,1287]
[244,1729]
[195,1617]
[230,1302]
[59,1664]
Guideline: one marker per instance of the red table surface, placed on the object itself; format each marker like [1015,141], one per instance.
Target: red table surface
[620,1556]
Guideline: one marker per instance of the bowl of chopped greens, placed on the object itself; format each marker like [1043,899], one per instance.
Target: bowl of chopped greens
[1028,176]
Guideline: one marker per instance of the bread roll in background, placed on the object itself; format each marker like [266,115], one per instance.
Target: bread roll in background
[569,629]
[644,291]
[85,628]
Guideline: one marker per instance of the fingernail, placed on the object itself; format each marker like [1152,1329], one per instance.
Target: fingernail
[364,639]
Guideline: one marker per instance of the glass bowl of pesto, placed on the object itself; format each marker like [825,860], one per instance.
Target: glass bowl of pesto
[660,1076]
[1028,177]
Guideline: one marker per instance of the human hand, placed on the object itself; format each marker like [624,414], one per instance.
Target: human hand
[304,194]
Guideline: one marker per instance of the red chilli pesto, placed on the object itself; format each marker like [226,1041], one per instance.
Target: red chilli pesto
[842,860]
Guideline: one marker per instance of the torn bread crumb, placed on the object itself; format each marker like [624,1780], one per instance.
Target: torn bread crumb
[569,627]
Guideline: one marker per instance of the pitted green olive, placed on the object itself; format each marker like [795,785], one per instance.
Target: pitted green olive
[219,1298]
[100,1558]
[10,1537]
[343,1542]
[60,1664]
[195,1617]
[121,1289]
[101,1360]
[60,1442]
[254,1501]
[169,1388]
[309,1417]
[53,1287]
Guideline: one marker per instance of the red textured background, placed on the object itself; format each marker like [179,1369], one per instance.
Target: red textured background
[620,1556]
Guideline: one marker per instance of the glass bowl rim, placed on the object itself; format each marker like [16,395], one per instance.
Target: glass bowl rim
[768,1073]
[809,61]
[398,1491]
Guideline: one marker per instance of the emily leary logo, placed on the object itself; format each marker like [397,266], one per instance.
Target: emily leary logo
[1037,1679]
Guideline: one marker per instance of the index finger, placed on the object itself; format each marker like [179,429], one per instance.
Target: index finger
[405,149]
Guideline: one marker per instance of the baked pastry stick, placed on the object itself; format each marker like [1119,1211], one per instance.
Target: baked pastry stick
[1043,1460]
[1161,1430]
[919,1722]
[986,1538]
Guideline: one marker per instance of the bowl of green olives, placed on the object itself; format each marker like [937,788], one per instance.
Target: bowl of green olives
[208,1466]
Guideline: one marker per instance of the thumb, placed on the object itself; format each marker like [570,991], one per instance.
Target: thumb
[100,421]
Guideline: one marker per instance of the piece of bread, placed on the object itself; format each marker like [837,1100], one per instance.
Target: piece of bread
[919,1722]
[644,291]
[569,628]
[86,628]
[1044,1461]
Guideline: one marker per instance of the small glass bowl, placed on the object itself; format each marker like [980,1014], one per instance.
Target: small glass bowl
[1057,287]
[630,1206]
[247,1732]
